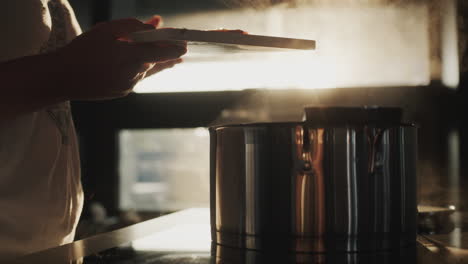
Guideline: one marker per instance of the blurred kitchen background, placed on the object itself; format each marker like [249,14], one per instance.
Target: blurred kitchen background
[148,154]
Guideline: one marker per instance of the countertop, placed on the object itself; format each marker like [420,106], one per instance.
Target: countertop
[184,237]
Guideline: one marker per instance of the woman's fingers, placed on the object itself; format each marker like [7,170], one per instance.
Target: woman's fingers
[117,30]
[122,28]
[151,52]
[156,21]
[160,66]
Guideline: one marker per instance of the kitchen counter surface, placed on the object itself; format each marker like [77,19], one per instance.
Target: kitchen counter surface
[184,237]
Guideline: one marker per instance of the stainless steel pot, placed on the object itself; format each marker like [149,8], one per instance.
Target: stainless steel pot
[335,182]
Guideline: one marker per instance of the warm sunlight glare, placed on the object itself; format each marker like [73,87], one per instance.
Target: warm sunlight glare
[356,46]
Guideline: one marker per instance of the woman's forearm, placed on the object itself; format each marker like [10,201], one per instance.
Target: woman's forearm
[96,65]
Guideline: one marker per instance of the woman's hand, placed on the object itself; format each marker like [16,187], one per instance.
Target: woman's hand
[157,21]
[101,64]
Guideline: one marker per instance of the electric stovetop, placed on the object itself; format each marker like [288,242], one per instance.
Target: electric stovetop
[184,237]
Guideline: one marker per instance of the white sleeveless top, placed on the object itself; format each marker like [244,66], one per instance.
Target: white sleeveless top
[40,191]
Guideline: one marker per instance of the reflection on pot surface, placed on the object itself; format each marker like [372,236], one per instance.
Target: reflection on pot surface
[227,255]
[302,188]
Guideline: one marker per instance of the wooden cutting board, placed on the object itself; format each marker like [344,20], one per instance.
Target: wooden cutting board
[222,37]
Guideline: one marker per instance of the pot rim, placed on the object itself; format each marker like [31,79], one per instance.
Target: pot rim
[311,125]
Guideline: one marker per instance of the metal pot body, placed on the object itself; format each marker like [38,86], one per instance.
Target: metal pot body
[295,187]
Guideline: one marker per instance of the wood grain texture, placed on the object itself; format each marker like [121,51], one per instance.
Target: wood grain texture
[224,37]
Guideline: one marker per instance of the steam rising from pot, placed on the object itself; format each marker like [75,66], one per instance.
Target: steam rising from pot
[357,45]
[268,3]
